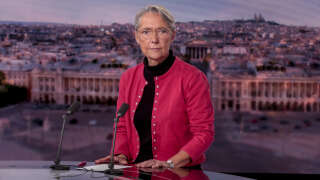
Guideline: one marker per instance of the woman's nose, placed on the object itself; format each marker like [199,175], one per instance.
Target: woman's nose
[155,37]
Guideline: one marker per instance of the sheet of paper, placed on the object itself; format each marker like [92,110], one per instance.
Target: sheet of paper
[103,167]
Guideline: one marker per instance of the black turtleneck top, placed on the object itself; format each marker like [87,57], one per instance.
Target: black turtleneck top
[142,116]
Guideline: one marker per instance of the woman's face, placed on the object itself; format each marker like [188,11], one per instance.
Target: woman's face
[154,37]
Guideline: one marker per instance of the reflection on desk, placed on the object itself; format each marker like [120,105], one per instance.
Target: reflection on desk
[36,170]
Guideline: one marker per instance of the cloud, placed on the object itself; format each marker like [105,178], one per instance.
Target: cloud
[296,12]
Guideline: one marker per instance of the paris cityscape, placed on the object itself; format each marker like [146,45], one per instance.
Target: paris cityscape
[264,80]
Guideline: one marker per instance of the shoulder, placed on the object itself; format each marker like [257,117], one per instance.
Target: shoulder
[187,70]
[132,71]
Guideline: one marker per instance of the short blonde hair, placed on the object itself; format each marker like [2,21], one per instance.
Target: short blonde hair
[165,14]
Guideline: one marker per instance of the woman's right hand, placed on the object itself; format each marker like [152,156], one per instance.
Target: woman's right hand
[121,159]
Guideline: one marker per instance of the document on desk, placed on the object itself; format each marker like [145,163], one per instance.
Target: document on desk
[103,167]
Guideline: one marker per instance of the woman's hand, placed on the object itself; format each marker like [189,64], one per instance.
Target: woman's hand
[153,163]
[121,159]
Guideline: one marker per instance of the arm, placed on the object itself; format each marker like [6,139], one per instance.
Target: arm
[201,116]
[121,144]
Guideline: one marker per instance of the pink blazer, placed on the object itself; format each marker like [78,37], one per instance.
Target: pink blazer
[182,116]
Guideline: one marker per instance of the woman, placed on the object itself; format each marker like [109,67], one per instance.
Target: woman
[170,119]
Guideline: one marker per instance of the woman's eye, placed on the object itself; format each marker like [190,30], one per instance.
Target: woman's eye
[163,31]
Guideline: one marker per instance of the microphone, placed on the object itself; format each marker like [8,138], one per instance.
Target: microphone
[57,166]
[122,111]
[73,108]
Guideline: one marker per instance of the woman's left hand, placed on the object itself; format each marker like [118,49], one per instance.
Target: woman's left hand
[153,163]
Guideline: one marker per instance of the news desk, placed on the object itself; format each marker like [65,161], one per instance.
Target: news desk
[40,170]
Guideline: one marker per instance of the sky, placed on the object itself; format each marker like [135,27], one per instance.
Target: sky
[96,12]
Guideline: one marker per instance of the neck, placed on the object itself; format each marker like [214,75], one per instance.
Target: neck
[153,62]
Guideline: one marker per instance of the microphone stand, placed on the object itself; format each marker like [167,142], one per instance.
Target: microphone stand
[57,165]
[111,169]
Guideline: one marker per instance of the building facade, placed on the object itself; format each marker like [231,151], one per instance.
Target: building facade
[59,83]
[65,87]
[256,94]
[198,49]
